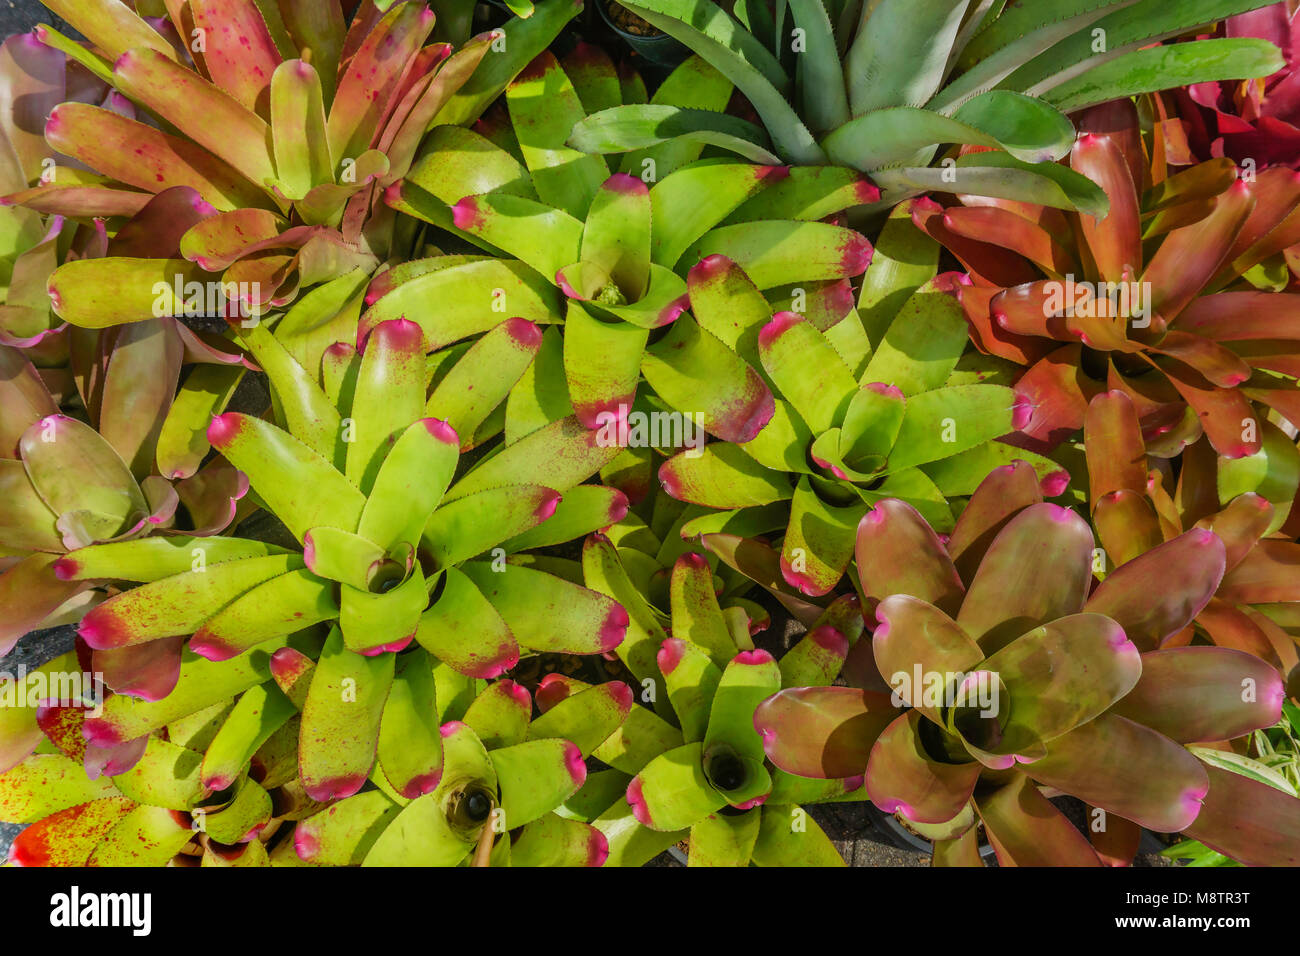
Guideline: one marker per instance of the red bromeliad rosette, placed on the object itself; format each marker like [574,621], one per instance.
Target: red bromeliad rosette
[1153,300]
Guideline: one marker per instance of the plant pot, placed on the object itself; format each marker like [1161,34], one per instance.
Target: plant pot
[494,14]
[906,839]
[658,48]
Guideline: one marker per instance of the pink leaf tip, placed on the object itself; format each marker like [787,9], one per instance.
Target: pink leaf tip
[224,429]
[65,568]
[574,763]
[526,334]
[442,431]
[628,185]
[781,323]
[636,800]
[614,629]
[670,654]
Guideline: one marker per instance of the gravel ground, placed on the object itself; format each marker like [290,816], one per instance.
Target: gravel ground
[19,16]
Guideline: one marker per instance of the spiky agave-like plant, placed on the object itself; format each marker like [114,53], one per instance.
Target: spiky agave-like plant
[1013,677]
[616,248]
[1156,299]
[879,87]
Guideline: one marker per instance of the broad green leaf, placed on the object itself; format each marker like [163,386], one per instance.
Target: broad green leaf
[179,604]
[948,421]
[1165,67]
[543,109]
[389,398]
[280,605]
[1003,176]
[546,613]
[341,719]
[748,679]
[410,745]
[258,713]
[464,630]
[299,487]
[900,54]
[641,126]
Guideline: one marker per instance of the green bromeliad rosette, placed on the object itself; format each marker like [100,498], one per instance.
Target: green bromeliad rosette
[687,764]
[463,774]
[881,404]
[205,177]
[880,87]
[388,545]
[502,776]
[605,242]
[1008,675]
[287,134]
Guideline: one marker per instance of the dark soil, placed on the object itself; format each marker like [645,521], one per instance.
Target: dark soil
[629,22]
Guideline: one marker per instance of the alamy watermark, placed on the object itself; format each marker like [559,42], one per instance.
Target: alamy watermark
[922,688]
[629,429]
[1100,300]
[64,688]
[227,299]
[133,911]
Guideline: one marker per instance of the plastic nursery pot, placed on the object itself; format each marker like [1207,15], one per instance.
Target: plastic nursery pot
[904,838]
[658,48]
[491,14]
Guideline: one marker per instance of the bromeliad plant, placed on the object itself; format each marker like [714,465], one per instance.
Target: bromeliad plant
[131,461]
[1271,756]
[1256,120]
[211,776]
[715,789]
[617,249]
[881,87]
[69,487]
[288,128]
[1167,299]
[688,766]
[853,424]
[1014,677]
[36,78]
[501,775]
[215,780]
[1256,607]
[383,537]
